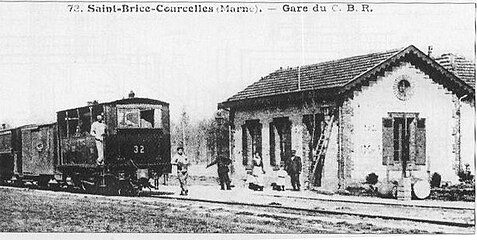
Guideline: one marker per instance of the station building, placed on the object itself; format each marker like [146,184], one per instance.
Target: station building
[389,113]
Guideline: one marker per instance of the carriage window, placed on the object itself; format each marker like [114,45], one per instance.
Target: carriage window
[157,118]
[147,118]
[128,118]
[85,120]
[72,123]
[139,118]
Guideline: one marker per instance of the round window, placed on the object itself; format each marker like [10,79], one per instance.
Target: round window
[403,88]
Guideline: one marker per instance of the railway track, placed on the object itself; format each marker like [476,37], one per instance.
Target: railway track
[278,206]
[300,211]
[373,203]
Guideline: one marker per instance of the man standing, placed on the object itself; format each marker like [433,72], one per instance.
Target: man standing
[180,160]
[98,130]
[293,168]
[223,171]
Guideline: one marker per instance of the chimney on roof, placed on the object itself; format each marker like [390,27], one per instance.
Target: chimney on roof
[429,51]
[91,103]
[131,94]
[4,126]
[452,62]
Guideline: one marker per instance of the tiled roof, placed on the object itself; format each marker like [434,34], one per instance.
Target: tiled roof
[461,67]
[333,74]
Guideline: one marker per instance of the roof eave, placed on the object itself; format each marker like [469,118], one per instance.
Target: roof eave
[277,99]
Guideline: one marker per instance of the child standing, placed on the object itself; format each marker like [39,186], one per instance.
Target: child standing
[281,175]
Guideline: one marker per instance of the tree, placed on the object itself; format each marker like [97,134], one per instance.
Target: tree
[202,139]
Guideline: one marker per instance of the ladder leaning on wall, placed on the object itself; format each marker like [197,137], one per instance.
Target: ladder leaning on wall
[320,150]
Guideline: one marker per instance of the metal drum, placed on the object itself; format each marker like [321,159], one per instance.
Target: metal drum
[421,189]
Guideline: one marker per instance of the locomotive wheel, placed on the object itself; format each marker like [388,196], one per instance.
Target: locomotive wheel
[17,182]
[43,181]
[126,188]
[111,185]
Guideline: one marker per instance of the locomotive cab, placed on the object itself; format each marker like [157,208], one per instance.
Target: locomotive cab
[141,138]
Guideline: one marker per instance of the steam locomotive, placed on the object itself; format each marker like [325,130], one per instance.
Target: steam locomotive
[63,154]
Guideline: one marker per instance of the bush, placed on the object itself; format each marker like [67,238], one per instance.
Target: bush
[458,192]
[435,180]
[372,178]
[465,176]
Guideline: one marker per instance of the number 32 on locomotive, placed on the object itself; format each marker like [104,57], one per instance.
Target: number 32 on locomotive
[138,149]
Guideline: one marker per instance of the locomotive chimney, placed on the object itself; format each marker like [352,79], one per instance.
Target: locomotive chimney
[131,94]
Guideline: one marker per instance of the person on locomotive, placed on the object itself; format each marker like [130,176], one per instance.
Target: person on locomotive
[182,163]
[98,130]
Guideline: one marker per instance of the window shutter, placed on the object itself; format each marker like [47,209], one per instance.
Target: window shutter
[412,140]
[388,147]
[288,143]
[244,145]
[421,142]
[272,144]
[258,140]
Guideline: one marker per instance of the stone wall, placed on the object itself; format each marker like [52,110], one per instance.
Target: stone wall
[299,139]
[347,145]
[467,138]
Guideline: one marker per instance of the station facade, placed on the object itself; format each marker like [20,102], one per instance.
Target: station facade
[395,113]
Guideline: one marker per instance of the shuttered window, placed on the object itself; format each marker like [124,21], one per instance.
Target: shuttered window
[273,161]
[244,145]
[421,142]
[404,139]
[388,147]
[251,134]
[283,127]
[255,130]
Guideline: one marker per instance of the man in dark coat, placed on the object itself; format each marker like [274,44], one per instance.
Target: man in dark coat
[223,171]
[293,168]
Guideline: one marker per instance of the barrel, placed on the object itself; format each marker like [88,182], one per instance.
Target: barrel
[421,189]
[142,173]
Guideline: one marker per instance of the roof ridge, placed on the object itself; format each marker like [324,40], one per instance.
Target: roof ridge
[359,56]
[382,62]
[284,69]
[342,73]
[457,57]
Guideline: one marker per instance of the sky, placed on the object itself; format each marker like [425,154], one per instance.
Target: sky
[53,59]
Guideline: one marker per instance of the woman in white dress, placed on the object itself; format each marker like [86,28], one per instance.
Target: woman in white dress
[257,171]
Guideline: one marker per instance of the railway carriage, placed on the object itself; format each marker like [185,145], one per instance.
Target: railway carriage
[28,154]
[136,145]
[10,151]
[38,154]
